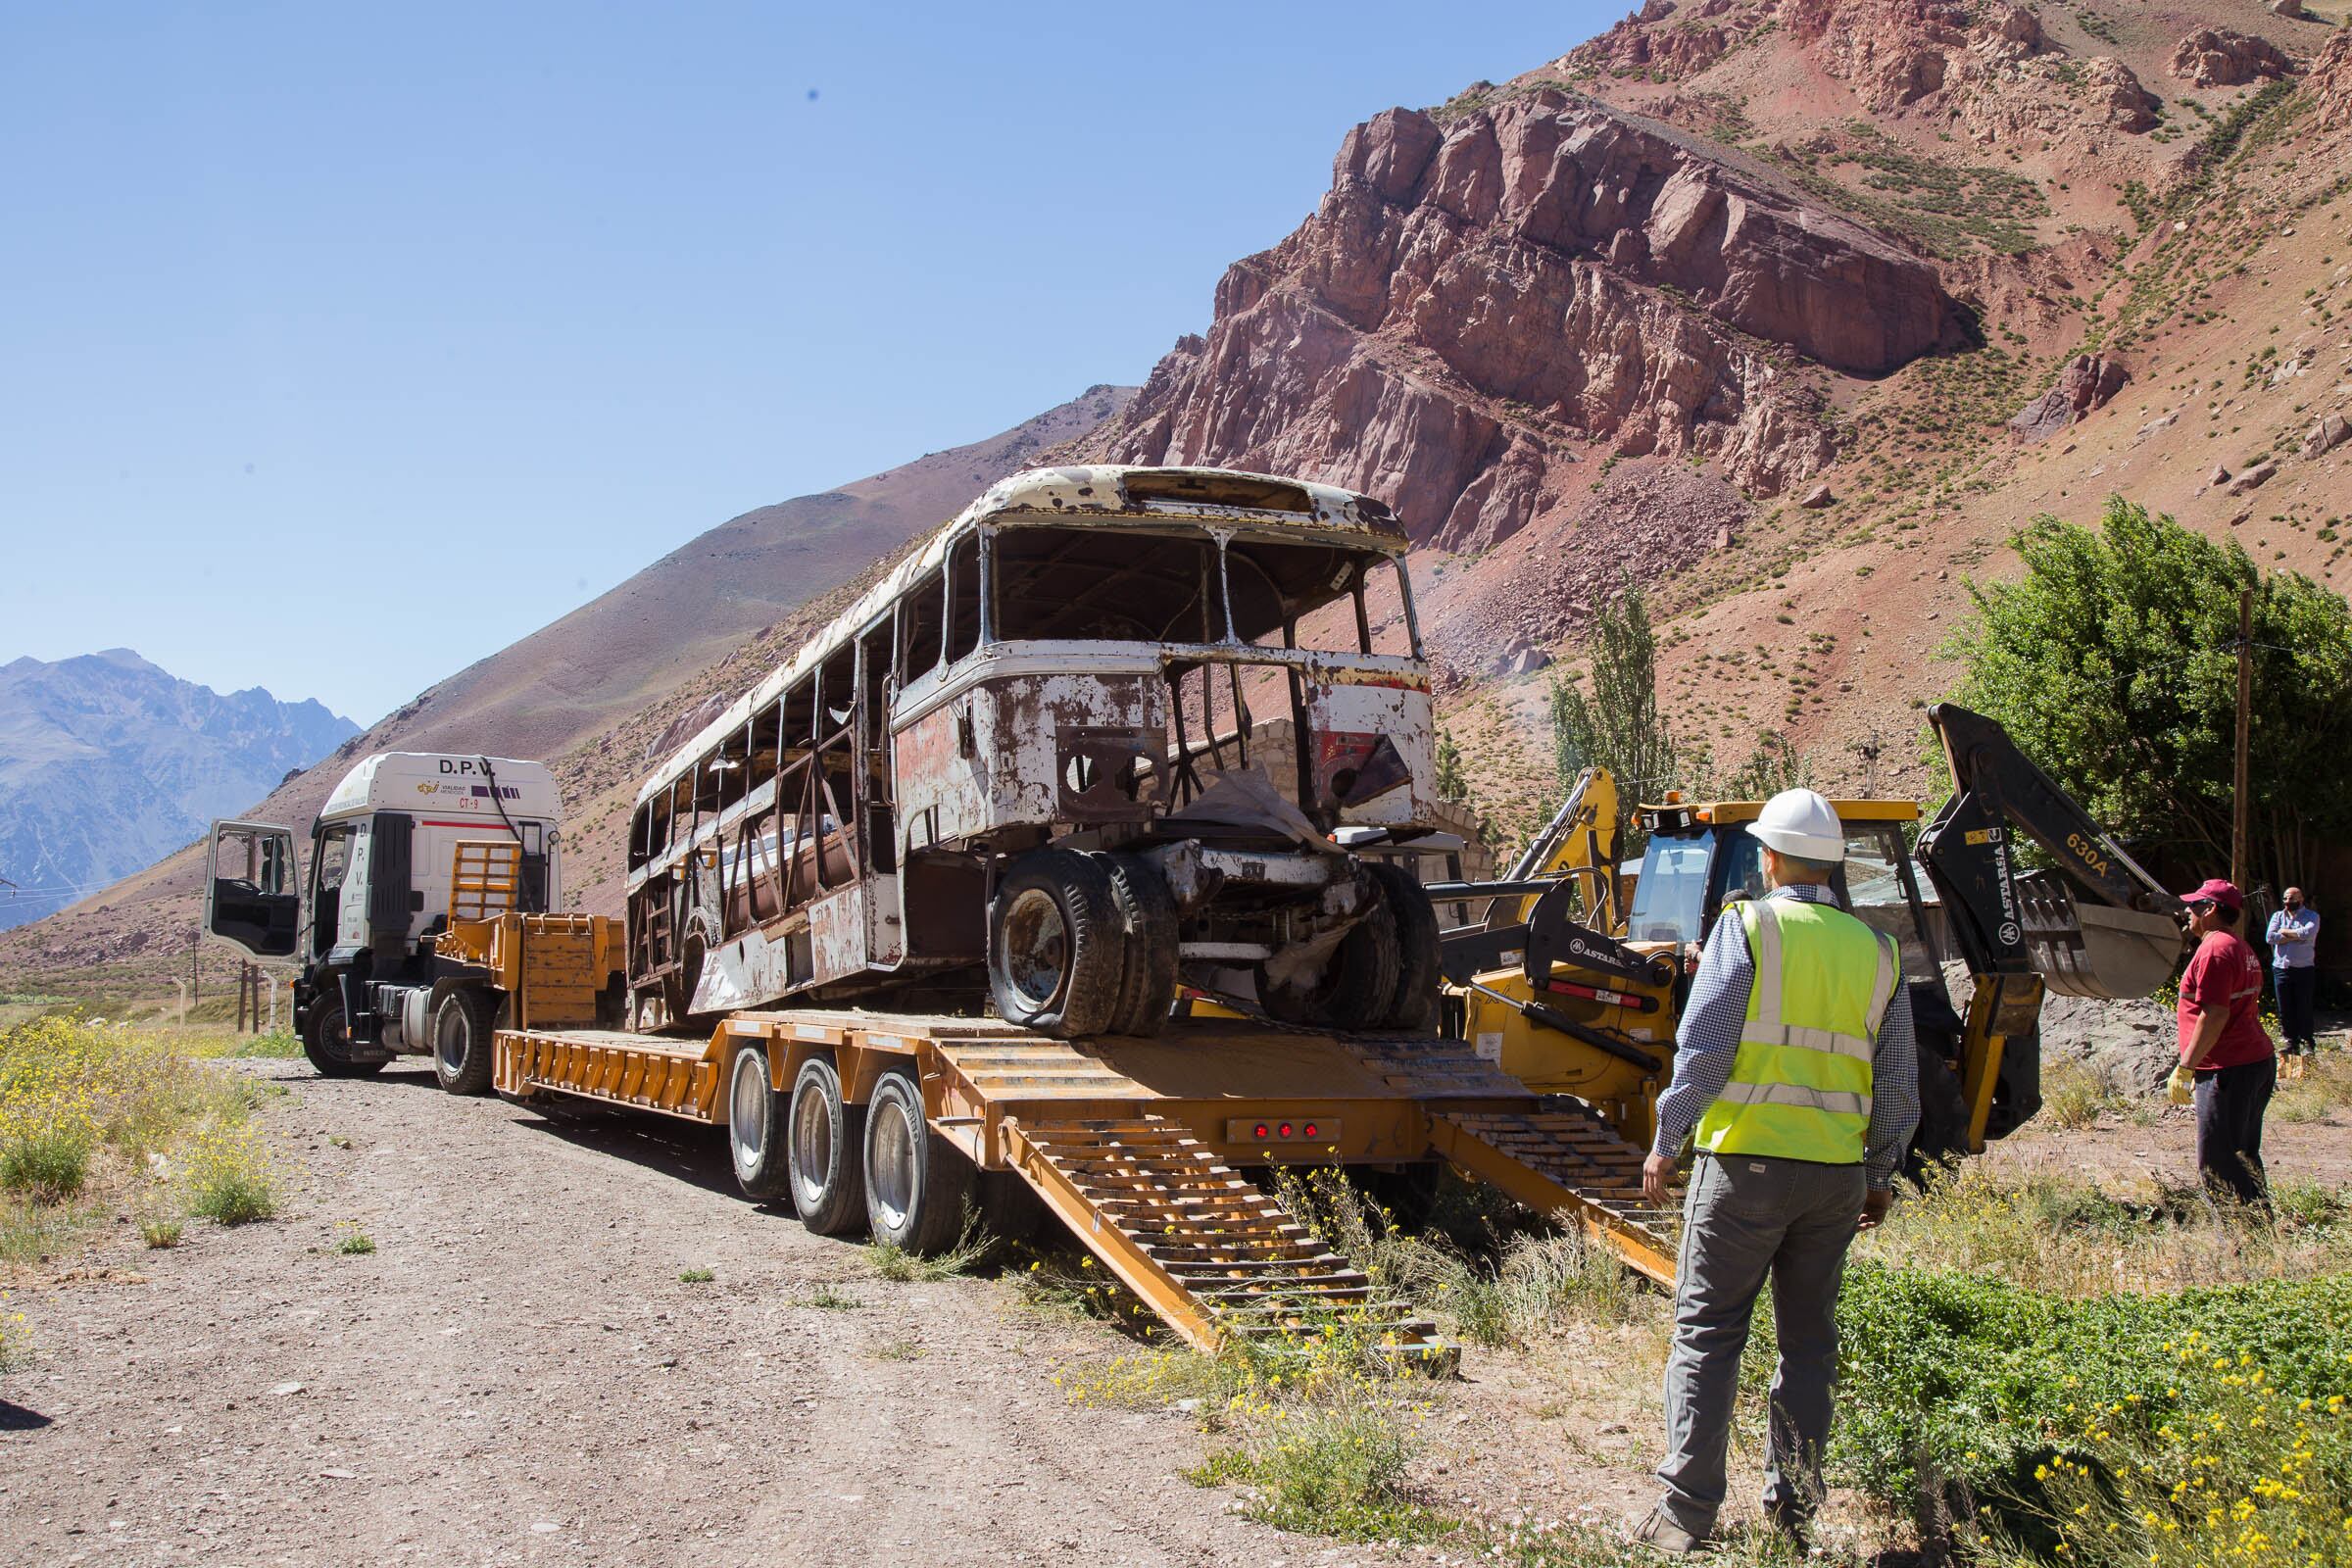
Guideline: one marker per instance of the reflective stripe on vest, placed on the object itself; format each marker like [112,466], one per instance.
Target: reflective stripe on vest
[1800,1084]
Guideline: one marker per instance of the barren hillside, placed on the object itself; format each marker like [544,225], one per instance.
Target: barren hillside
[1740,301]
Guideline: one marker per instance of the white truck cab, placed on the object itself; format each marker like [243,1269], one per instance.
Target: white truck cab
[381,883]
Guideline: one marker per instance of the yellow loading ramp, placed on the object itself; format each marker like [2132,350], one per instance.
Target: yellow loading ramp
[1136,1145]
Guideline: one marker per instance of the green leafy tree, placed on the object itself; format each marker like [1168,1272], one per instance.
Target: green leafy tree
[1616,725]
[2113,662]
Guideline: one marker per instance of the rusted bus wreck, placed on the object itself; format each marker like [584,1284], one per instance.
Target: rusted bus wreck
[1027,756]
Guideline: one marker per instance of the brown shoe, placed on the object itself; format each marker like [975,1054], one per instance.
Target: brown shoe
[1661,1534]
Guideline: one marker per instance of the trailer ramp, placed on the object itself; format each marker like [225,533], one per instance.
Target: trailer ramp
[1212,1255]
[1562,1159]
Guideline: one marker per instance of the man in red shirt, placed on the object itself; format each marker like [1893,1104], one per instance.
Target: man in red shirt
[2224,1044]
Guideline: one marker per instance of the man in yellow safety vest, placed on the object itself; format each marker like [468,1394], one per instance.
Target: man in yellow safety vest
[1796,1074]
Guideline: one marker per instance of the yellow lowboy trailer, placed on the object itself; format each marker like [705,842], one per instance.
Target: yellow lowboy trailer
[887,1122]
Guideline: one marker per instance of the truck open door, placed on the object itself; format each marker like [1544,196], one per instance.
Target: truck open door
[251,896]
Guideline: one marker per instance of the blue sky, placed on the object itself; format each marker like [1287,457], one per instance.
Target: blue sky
[346,344]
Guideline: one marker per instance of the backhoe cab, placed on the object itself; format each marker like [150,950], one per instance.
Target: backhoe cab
[1568,996]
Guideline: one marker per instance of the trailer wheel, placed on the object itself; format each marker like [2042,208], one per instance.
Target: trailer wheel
[329,1044]
[1417,962]
[1055,949]
[918,1186]
[755,1120]
[464,1052]
[823,1146]
[1355,986]
[1148,978]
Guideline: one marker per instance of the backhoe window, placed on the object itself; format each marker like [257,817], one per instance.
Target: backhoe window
[1670,900]
[1877,893]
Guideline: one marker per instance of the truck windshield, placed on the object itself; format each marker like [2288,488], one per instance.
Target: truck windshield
[1115,584]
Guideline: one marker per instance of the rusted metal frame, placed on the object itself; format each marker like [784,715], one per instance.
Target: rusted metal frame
[1527,1185]
[1187,778]
[1120,1253]
[1363,617]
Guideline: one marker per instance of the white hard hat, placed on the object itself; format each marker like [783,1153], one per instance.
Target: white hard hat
[1801,823]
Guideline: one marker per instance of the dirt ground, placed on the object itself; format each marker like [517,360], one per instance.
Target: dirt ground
[518,1375]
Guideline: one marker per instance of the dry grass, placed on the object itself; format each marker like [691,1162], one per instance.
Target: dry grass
[99,1119]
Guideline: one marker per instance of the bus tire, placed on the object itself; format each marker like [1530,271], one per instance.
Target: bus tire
[1357,983]
[1417,962]
[918,1186]
[328,1047]
[824,1148]
[757,1116]
[1056,954]
[465,1049]
[1147,977]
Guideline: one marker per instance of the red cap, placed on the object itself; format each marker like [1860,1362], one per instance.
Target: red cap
[2217,890]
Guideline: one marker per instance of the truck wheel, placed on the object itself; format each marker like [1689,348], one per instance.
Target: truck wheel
[917,1184]
[824,1142]
[1148,978]
[1056,950]
[1356,985]
[328,1045]
[464,1052]
[755,1120]
[1417,958]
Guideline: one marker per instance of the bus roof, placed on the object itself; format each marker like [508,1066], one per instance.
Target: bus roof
[1111,494]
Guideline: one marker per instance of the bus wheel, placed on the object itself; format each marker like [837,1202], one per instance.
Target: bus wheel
[824,1140]
[464,1050]
[328,1045]
[755,1121]
[918,1186]
[1352,989]
[1148,912]
[1417,961]
[1055,948]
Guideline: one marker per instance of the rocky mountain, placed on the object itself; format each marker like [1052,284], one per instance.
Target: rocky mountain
[1793,311]
[591,692]
[108,763]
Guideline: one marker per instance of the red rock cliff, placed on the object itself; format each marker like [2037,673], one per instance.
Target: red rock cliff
[1473,303]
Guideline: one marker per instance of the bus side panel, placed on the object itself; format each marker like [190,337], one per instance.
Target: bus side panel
[837,934]
[943,791]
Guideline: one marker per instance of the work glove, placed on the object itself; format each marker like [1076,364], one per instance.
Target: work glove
[2181,1087]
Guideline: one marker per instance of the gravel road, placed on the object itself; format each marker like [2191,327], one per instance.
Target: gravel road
[518,1375]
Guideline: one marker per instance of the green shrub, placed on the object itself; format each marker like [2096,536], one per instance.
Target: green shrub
[1957,1388]
[49,1164]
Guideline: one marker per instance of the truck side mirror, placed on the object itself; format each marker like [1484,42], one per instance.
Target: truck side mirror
[251,896]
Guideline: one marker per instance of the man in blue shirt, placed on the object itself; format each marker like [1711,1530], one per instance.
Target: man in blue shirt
[2294,939]
[1786,1172]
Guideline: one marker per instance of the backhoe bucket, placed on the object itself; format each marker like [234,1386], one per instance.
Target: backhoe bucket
[2089,949]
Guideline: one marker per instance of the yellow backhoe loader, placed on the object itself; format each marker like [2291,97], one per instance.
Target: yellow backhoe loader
[1574,984]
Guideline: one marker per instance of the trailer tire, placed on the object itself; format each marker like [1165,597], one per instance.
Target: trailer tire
[1357,985]
[825,1140]
[1147,977]
[757,1116]
[1056,956]
[329,1045]
[465,1049]
[1417,961]
[918,1186]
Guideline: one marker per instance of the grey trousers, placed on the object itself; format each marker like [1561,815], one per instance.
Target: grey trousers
[1743,1219]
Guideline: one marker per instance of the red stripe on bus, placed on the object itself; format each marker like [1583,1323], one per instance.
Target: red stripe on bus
[495,827]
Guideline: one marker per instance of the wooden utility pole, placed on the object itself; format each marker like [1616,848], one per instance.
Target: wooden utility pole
[195,982]
[2240,804]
